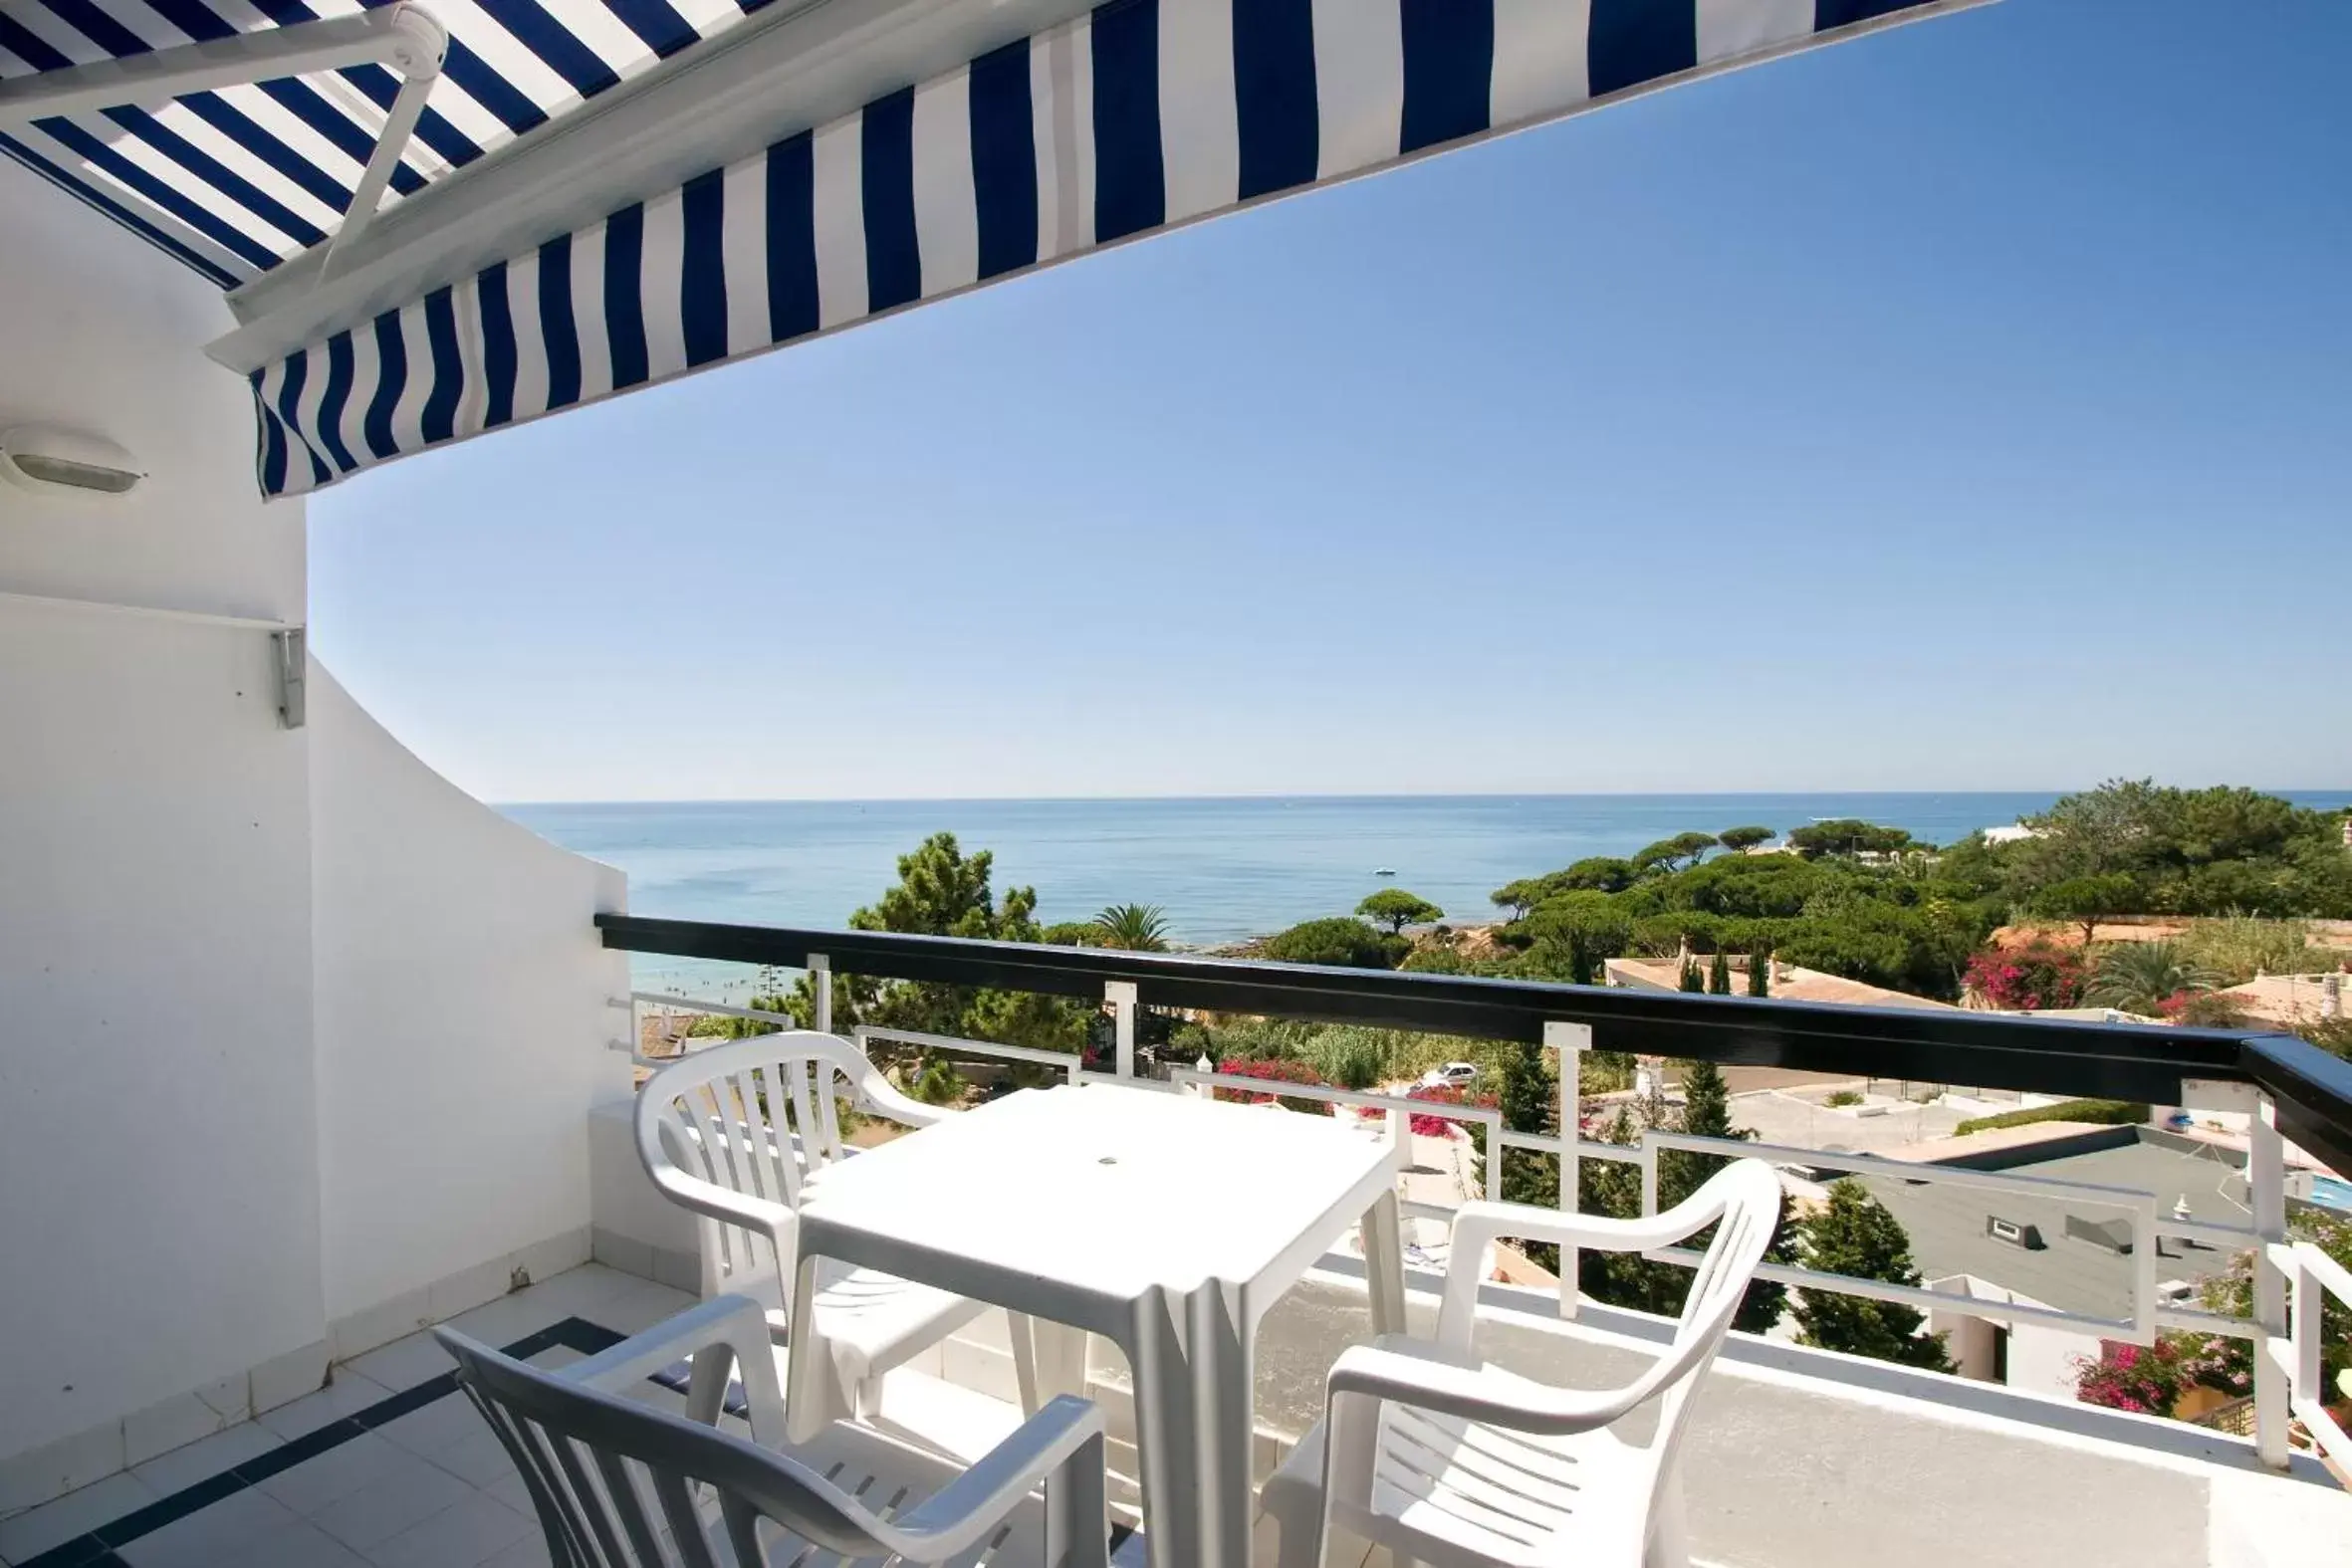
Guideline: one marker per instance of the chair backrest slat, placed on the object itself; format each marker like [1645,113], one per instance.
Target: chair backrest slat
[626,1501]
[755,1116]
[685,1523]
[618,1478]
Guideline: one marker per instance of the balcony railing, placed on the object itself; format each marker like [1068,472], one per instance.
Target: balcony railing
[2287,1088]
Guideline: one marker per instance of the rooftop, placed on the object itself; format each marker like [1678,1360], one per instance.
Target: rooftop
[1790,983]
[2079,1264]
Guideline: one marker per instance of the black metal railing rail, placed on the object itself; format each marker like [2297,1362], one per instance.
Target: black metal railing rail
[2311,1089]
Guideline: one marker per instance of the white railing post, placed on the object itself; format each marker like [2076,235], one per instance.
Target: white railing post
[1571,1040]
[1120,994]
[821,969]
[2265,1174]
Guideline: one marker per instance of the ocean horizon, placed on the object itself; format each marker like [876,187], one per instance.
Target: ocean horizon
[1223,868]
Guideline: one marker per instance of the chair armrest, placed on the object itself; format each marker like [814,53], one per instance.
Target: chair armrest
[1477,1224]
[732,1330]
[1418,1374]
[1057,1447]
[879,1095]
[763,1216]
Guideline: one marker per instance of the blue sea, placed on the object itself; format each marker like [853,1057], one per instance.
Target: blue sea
[1223,869]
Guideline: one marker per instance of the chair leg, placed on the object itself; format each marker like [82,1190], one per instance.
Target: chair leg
[1078,1513]
[1021,1331]
[1668,1545]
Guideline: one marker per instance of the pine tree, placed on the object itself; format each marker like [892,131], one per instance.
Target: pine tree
[1719,974]
[1706,1113]
[1528,1096]
[1856,1235]
[1760,973]
[1581,966]
[1613,1188]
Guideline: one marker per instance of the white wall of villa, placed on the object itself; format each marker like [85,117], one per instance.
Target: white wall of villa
[462,1011]
[264,1066]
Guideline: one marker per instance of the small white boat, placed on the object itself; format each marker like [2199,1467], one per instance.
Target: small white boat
[1384,870]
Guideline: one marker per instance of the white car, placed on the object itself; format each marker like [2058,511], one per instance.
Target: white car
[1452,1075]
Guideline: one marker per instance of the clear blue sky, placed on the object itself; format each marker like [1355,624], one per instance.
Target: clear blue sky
[1969,406]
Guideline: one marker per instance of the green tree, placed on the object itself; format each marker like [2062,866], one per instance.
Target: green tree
[1594,875]
[1688,978]
[2087,900]
[1572,935]
[1678,853]
[1706,1113]
[1856,1237]
[1528,1096]
[1760,973]
[1132,928]
[1741,840]
[2137,976]
[1340,940]
[943,892]
[1396,909]
[1719,974]
[1847,836]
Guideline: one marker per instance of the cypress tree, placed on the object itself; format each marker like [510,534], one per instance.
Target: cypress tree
[1691,979]
[1528,1096]
[1719,974]
[1856,1235]
[1760,973]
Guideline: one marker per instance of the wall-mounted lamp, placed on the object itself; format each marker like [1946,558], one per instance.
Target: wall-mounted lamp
[67,464]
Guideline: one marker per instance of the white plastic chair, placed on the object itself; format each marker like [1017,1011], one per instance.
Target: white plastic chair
[737,1133]
[1444,1460]
[618,1484]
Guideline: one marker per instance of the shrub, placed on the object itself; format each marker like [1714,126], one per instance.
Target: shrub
[2139,977]
[2149,1380]
[2329,1034]
[2105,1113]
[939,1083]
[1428,1126]
[1272,1072]
[2201,1009]
[1342,941]
[1350,1054]
[2032,977]
[2237,947]
[1844,1097]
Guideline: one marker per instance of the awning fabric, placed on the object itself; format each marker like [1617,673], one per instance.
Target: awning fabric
[1141,115]
[237,180]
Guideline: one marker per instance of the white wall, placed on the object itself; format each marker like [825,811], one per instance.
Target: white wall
[461,1022]
[297,1041]
[159,1228]
[2042,1357]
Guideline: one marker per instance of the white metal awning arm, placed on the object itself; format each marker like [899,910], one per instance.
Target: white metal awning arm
[404,38]
[399,124]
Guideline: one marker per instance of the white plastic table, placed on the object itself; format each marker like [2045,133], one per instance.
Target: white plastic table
[1164,1222]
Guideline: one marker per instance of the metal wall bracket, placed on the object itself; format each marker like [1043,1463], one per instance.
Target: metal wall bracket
[291,651]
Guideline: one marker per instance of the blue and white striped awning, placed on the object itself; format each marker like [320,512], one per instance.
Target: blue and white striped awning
[236,180]
[1135,116]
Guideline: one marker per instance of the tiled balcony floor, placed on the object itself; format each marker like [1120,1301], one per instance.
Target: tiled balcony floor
[388,1466]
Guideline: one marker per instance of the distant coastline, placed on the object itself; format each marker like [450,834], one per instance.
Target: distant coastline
[1223,868]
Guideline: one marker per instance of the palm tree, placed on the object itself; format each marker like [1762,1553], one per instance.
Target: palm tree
[1136,928]
[2137,976]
